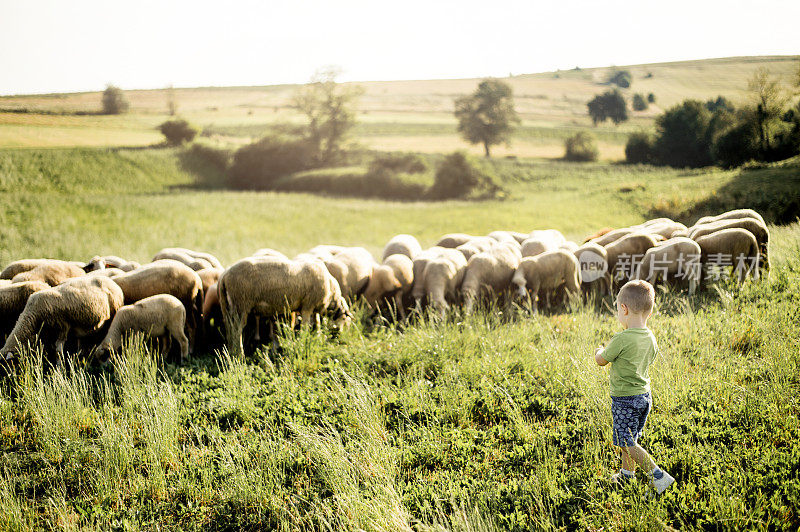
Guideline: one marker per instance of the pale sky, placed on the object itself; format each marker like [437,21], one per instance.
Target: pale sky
[57,46]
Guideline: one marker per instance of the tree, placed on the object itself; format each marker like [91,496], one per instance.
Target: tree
[609,105]
[461,176]
[651,98]
[114,101]
[329,108]
[639,148]
[721,103]
[639,103]
[487,115]
[769,98]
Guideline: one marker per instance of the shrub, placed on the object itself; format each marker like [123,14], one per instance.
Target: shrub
[620,78]
[721,103]
[216,157]
[581,147]
[260,164]
[461,176]
[639,148]
[682,135]
[397,163]
[639,103]
[178,131]
[114,101]
[355,182]
[738,145]
[651,98]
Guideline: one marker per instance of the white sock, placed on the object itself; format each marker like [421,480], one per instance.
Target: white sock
[626,472]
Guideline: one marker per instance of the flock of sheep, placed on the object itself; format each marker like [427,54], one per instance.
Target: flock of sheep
[181,293]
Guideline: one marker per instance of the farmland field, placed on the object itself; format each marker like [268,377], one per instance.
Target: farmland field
[496,420]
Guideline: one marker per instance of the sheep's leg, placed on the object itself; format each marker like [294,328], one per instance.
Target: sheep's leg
[547,299]
[305,316]
[257,336]
[177,333]
[692,286]
[62,339]
[398,301]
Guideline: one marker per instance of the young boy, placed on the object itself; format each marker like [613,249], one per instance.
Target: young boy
[631,352]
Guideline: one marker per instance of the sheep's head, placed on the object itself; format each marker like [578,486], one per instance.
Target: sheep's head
[340,312]
[97,263]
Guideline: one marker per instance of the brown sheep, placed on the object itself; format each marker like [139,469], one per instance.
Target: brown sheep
[623,254]
[753,225]
[52,273]
[598,234]
[612,236]
[543,274]
[82,306]
[393,279]
[729,244]
[671,259]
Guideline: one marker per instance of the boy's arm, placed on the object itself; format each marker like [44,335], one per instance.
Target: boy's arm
[598,356]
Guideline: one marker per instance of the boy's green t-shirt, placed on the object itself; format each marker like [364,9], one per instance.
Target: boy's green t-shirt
[631,351]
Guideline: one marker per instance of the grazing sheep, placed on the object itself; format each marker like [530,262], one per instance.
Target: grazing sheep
[273,287]
[756,227]
[171,277]
[593,261]
[453,240]
[469,249]
[612,236]
[112,261]
[154,316]
[570,246]
[442,278]
[543,274]
[358,263]
[404,245]
[737,213]
[418,271]
[194,263]
[393,279]
[52,272]
[664,229]
[598,234]
[672,259]
[214,261]
[551,235]
[81,305]
[209,276]
[729,244]
[269,252]
[623,254]
[12,301]
[107,272]
[536,246]
[326,250]
[503,236]
[519,237]
[24,265]
[489,272]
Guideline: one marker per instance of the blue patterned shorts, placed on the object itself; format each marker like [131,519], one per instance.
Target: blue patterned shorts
[629,415]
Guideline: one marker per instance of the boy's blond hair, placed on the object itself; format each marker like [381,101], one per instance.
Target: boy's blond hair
[638,296]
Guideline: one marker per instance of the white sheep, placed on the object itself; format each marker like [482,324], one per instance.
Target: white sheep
[153,316]
[543,274]
[393,280]
[453,240]
[269,252]
[671,259]
[359,264]
[418,270]
[194,263]
[82,306]
[552,235]
[593,261]
[403,244]
[503,236]
[13,297]
[273,287]
[489,272]
[214,261]
[612,236]
[536,246]
[758,228]
[442,279]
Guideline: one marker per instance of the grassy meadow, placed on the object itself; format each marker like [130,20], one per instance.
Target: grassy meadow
[493,421]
